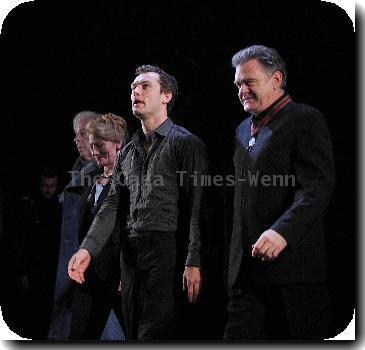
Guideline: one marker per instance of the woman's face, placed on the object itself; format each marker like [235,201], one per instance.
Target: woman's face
[104,152]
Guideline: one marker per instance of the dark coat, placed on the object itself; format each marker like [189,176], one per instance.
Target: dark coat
[106,264]
[71,220]
[293,162]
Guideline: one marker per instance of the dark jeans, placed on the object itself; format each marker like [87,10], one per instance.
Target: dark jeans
[147,273]
[286,312]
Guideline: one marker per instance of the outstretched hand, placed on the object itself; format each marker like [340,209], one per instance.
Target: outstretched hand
[78,264]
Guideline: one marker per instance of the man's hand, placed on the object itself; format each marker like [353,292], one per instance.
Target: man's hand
[192,281]
[269,246]
[78,264]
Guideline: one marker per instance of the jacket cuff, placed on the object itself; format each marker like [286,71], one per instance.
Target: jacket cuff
[193,259]
[90,246]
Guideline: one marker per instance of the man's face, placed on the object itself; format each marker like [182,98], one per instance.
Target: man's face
[146,96]
[48,186]
[82,140]
[104,152]
[257,89]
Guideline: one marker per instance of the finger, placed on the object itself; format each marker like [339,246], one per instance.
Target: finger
[196,291]
[254,251]
[257,247]
[270,253]
[260,250]
[70,264]
[76,263]
[275,254]
[190,292]
[82,278]
[265,251]
[74,276]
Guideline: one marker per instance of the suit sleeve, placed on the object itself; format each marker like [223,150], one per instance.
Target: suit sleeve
[314,174]
[104,222]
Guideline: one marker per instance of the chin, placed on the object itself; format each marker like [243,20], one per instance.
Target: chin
[137,114]
[251,109]
[248,109]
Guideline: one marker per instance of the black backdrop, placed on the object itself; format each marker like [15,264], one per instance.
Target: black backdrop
[63,57]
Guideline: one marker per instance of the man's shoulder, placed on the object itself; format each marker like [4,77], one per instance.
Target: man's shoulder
[304,116]
[178,130]
[302,110]
[183,136]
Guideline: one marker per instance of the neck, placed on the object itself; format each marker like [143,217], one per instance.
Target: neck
[276,96]
[149,125]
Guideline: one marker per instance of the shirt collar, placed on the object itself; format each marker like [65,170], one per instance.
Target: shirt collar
[165,127]
[162,130]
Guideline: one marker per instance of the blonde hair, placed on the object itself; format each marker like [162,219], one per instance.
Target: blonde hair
[108,127]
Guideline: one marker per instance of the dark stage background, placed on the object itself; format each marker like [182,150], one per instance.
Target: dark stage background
[63,57]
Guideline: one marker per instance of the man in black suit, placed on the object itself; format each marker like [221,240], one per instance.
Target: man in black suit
[284,176]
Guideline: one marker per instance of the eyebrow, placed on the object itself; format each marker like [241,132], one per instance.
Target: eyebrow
[140,82]
[236,82]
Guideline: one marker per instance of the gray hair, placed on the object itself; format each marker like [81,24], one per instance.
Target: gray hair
[84,115]
[267,56]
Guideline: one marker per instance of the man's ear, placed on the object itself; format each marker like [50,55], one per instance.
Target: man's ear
[278,78]
[166,97]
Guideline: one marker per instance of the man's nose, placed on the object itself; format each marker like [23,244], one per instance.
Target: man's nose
[243,91]
[136,90]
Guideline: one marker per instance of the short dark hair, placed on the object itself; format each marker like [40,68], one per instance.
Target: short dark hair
[267,56]
[167,81]
[48,170]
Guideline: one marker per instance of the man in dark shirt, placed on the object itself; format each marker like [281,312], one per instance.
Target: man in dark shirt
[161,167]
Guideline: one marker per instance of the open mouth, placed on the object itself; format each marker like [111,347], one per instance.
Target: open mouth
[137,103]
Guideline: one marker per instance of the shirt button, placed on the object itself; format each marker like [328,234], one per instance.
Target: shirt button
[243,201]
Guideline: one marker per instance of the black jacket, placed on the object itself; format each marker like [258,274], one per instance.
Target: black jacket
[293,166]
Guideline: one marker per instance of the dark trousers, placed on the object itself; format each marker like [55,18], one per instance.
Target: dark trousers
[147,273]
[91,305]
[286,312]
